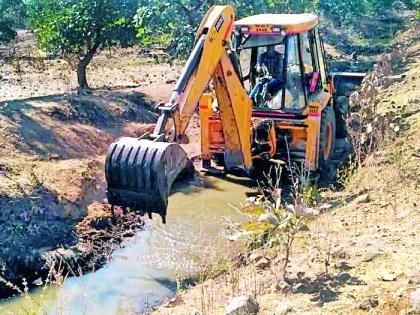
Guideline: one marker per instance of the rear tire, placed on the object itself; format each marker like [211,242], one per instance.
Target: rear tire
[327,144]
[341,109]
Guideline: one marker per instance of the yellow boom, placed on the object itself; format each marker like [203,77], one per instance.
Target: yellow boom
[140,172]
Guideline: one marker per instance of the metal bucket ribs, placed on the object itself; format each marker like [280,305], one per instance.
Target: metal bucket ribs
[140,173]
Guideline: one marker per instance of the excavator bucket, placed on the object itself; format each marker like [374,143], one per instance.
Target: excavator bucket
[140,173]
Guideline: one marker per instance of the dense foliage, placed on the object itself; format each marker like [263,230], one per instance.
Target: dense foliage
[172,23]
[81,27]
[12,15]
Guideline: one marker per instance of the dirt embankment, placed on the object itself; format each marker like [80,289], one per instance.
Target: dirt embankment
[52,148]
[361,254]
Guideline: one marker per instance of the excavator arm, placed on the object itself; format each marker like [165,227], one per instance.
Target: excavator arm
[141,171]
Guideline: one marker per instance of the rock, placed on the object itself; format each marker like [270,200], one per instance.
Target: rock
[389,277]
[344,265]
[284,309]
[303,211]
[262,263]
[371,256]
[415,301]
[300,288]
[414,279]
[174,301]
[369,303]
[344,277]
[268,218]
[325,207]
[283,286]
[242,305]
[361,199]
[38,282]
[254,257]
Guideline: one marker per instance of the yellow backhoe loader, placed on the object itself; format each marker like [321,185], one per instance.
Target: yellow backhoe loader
[264,94]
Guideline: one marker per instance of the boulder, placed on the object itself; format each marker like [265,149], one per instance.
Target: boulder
[371,256]
[255,257]
[361,199]
[242,305]
[263,263]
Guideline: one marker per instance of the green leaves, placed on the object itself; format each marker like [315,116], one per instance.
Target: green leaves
[12,13]
[75,26]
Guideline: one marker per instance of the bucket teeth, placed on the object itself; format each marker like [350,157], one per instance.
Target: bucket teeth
[140,173]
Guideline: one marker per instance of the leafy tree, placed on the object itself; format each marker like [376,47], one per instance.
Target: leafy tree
[12,14]
[174,23]
[169,23]
[81,27]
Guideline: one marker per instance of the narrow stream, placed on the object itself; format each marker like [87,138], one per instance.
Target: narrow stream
[143,273]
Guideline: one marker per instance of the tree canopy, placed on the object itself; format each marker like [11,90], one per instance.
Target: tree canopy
[12,14]
[81,27]
[172,23]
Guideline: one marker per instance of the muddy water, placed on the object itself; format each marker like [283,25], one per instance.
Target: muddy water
[144,272]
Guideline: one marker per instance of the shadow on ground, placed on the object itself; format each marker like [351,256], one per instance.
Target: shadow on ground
[324,288]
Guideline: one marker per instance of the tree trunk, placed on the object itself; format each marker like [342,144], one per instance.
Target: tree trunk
[82,66]
[81,77]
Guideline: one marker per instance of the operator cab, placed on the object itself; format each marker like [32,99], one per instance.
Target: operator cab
[281,60]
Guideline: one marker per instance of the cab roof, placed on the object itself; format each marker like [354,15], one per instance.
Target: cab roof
[264,23]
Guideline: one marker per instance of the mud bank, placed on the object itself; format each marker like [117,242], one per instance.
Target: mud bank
[52,183]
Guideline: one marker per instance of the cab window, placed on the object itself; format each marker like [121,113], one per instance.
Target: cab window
[312,80]
[294,99]
[320,53]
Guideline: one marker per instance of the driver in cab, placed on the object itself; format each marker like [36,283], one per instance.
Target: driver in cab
[273,61]
[270,61]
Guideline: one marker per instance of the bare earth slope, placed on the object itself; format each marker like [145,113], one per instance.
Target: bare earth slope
[52,148]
